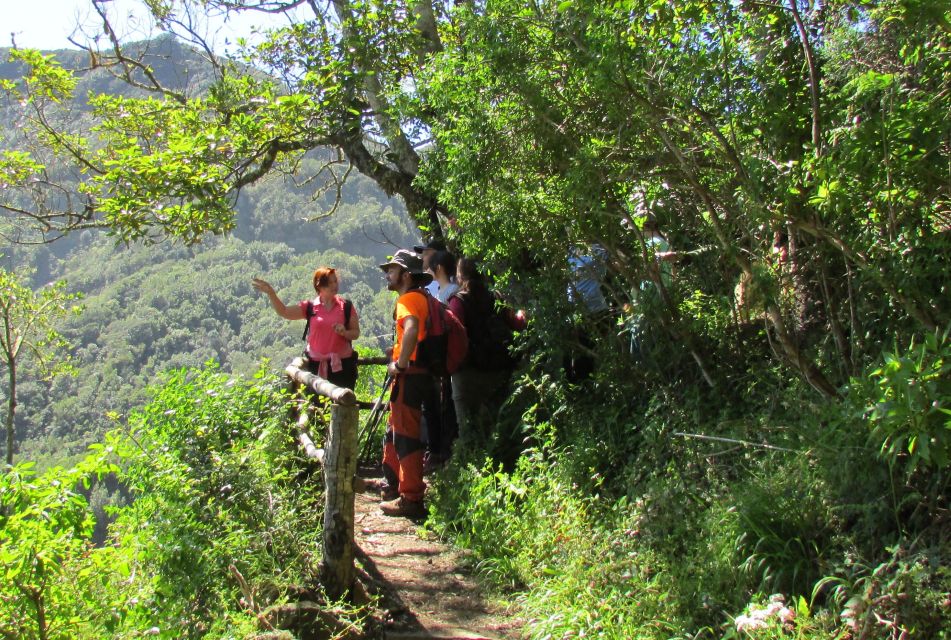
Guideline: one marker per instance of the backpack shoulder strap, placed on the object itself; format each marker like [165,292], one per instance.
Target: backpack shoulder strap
[308,314]
[347,312]
[429,307]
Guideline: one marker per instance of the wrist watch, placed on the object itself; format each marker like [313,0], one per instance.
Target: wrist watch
[398,367]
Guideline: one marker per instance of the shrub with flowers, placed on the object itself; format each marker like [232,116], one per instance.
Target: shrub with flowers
[775,615]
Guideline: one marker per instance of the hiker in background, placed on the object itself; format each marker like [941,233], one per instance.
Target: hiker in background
[482,381]
[442,265]
[439,415]
[651,296]
[426,252]
[332,326]
[588,271]
[402,445]
[660,256]
[588,267]
[751,296]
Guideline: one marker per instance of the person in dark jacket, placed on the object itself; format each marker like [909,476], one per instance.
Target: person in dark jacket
[481,383]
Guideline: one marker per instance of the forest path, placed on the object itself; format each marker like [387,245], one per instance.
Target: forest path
[426,589]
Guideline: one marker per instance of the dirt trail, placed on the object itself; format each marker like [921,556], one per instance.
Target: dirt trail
[426,589]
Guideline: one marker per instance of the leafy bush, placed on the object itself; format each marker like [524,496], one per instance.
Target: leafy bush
[652,516]
[533,529]
[908,404]
[219,491]
[53,583]
[223,524]
[904,595]
[786,526]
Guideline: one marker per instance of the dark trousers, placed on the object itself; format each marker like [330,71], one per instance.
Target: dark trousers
[439,418]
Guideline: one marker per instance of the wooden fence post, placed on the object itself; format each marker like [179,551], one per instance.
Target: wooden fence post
[339,460]
[340,466]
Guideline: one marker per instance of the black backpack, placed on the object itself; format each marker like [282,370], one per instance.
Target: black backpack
[347,312]
[490,336]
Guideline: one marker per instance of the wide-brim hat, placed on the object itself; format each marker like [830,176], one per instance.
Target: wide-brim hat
[410,261]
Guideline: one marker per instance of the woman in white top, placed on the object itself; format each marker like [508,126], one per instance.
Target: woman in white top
[443,267]
[437,407]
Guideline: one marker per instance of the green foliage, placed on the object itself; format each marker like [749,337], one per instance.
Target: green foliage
[799,170]
[168,152]
[908,405]
[557,126]
[534,530]
[223,522]
[787,524]
[216,484]
[54,583]
[902,594]
[703,513]
[47,79]
[28,319]
[795,159]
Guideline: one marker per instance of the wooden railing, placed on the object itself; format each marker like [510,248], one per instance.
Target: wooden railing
[339,461]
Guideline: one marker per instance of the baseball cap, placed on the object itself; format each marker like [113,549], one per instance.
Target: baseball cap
[438,245]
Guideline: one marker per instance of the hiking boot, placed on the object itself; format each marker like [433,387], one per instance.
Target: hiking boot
[401,507]
[381,486]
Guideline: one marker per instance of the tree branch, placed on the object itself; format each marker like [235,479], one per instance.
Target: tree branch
[813,77]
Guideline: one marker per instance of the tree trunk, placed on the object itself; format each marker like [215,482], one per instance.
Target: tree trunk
[795,357]
[11,409]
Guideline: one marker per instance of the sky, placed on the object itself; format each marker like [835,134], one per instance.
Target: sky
[47,24]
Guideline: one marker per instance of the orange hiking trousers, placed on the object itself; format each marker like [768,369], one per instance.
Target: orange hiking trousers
[402,445]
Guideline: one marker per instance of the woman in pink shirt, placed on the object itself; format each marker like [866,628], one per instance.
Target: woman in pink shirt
[332,326]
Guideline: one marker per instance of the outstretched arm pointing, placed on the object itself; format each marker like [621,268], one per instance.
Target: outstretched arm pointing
[289,313]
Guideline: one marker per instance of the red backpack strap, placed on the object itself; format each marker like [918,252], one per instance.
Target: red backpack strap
[436,320]
[429,313]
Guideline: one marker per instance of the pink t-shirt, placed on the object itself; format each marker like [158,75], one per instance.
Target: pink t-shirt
[322,339]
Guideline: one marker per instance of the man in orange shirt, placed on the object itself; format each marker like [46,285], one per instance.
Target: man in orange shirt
[403,446]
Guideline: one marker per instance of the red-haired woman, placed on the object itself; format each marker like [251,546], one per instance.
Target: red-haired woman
[332,326]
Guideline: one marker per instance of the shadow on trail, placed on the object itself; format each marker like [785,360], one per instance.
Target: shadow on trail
[424,586]
[398,614]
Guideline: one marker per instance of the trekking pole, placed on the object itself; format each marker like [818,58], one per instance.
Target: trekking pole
[370,426]
[373,420]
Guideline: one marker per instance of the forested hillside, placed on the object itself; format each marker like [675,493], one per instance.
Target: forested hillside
[746,433]
[150,307]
